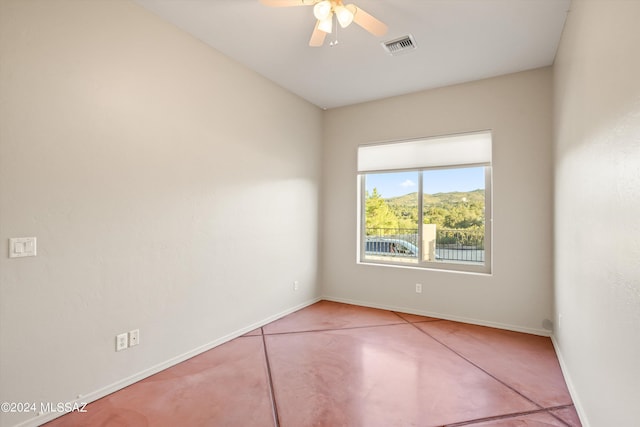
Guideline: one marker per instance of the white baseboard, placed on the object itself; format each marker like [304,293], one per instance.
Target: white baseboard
[125,382]
[572,390]
[541,332]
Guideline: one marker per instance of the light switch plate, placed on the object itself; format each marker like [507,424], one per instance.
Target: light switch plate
[22,246]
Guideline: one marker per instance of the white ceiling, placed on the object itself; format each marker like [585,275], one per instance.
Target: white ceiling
[458,41]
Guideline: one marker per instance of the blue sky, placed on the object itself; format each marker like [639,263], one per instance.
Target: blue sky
[435,181]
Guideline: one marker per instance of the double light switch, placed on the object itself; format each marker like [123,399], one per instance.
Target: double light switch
[22,246]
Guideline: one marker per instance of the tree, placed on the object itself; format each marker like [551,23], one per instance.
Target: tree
[435,215]
[378,216]
[455,215]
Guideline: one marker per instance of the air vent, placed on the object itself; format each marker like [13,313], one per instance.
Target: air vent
[399,46]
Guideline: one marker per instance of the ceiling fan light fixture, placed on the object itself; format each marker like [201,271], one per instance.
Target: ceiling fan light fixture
[345,14]
[326,25]
[326,10]
[322,10]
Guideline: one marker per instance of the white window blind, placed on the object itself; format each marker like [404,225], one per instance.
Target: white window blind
[454,150]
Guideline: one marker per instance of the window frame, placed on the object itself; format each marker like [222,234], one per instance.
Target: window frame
[485,268]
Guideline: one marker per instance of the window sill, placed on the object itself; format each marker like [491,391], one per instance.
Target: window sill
[439,267]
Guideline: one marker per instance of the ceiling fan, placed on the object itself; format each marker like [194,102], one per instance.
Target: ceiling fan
[325,10]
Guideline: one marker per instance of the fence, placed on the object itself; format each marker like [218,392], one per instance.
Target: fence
[451,244]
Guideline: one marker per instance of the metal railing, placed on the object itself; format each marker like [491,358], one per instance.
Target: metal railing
[460,244]
[465,245]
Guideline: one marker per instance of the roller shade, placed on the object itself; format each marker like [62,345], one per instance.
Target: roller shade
[455,150]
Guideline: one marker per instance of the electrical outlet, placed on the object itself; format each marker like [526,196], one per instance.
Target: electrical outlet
[296,285]
[418,288]
[122,342]
[134,337]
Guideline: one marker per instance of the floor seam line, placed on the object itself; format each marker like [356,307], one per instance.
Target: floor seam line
[333,329]
[430,319]
[272,391]
[557,417]
[500,417]
[398,314]
[482,369]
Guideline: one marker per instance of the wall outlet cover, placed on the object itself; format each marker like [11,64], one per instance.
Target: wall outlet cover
[122,341]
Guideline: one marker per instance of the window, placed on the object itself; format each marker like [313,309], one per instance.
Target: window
[427,203]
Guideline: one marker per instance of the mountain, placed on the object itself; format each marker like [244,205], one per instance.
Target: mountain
[411,199]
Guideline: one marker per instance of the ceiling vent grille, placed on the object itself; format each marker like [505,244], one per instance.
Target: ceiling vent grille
[399,46]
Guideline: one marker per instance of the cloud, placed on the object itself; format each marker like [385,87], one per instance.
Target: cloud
[408,183]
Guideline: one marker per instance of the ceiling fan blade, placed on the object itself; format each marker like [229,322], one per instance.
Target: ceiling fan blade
[287,3]
[369,23]
[317,37]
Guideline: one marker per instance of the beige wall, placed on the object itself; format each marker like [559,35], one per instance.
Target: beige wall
[517,108]
[597,209]
[170,189]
